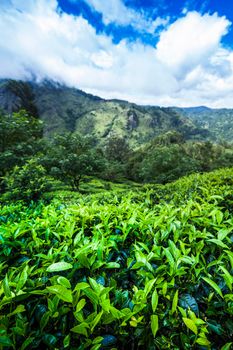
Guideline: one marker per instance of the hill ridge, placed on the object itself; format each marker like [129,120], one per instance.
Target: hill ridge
[65,108]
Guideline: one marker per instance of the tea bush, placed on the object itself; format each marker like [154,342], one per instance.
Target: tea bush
[148,269]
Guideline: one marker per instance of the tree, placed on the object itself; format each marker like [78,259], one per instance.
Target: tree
[117,149]
[117,153]
[27,183]
[71,157]
[161,163]
[23,91]
[165,164]
[168,138]
[20,139]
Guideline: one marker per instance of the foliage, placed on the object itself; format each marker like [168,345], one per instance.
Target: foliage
[70,157]
[23,91]
[170,157]
[117,149]
[150,269]
[164,164]
[113,171]
[218,123]
[66,109]
[20,136]
[117,153]
[27,183]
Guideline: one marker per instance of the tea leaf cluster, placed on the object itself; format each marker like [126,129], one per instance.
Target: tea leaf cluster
[146,269]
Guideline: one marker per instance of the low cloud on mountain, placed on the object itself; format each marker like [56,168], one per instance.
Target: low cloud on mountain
[189,65]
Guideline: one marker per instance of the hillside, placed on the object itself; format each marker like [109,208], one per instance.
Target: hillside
[68,109]
[218,122]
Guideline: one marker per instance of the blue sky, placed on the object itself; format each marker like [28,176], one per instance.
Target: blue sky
[152,9]
[157,52]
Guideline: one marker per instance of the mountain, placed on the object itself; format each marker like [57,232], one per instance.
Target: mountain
[218,122]
[68,109]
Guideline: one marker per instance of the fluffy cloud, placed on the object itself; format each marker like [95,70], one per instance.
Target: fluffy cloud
[191,40]
[188,67]
[115,11]
[55,45]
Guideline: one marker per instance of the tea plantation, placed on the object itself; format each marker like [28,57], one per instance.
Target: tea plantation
[147,268]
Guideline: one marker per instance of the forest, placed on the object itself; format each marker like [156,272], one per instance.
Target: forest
[31,163]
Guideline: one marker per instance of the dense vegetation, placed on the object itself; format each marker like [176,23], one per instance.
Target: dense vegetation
[150,268]
[218,122]
[86,263]
[65,109]
[69,158]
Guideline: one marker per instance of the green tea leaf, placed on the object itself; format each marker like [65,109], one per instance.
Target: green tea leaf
[96,320]
[149,286]
[154,300]
[97,340]
[96,347]
[64,282]
[26,343]
[92,296]
[6,287]
[203,341]
[80,305]
[164,288]
[227,346]
[169,257]
[60,266]
[22,279]
[62,293]
[213,285]
[154,324]
[175,302]
[190,324]
[112,265]
[218,242]
[81,329]
[44,320]
[19,309]
[66,341]
[227,277]
[81,286]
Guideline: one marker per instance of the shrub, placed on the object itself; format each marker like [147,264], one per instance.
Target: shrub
[120,272]
[27,183]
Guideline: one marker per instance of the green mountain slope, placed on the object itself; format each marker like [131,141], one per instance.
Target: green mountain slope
[68,109]
[218,122]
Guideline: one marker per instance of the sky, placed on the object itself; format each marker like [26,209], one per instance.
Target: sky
[157,52]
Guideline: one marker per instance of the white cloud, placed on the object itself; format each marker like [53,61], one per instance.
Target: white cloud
[115,11]
[190,40]
[188,67]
